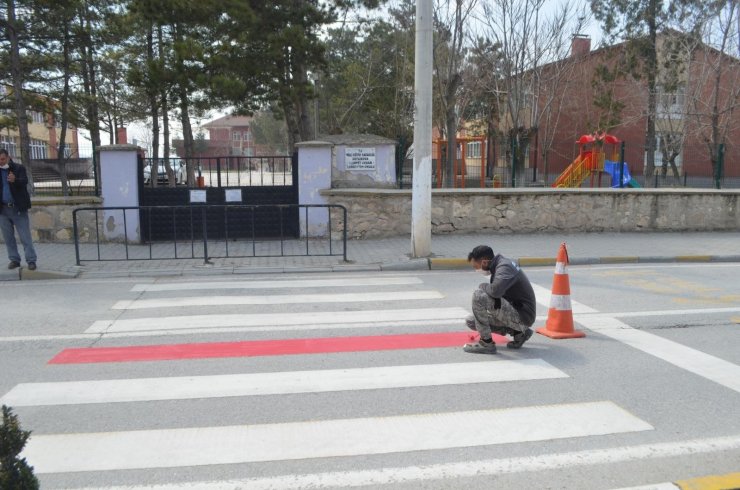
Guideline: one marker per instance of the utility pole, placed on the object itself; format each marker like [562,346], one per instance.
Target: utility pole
[421,197]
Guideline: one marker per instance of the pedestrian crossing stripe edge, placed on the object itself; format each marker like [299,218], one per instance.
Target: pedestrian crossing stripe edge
[276,299]
[253,348]
[275,319]
[198,446]
[277,383]
[457,470]
[281,284]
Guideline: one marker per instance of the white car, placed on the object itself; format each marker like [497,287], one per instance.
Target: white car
[178,166]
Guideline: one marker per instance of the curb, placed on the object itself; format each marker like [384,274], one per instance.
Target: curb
[420,264]
[37,275]
[461,263]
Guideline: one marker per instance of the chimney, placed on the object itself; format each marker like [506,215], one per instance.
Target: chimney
[121,136]
[580,45]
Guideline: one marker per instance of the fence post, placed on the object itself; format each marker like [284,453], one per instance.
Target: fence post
[205,235]
[513,163]
[621,165]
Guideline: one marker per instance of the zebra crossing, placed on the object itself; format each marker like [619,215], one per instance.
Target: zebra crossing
[402,315]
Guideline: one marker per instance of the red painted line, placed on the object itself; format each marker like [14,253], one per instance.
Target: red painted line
[264,348]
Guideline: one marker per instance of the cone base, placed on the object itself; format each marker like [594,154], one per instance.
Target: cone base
[575,334]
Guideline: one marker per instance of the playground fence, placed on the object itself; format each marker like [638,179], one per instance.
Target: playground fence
[694,170]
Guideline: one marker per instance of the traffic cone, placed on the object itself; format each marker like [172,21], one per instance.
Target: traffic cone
[560,317]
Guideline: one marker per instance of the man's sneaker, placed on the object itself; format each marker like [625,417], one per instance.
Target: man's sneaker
[13,264]
[481,347]
[519,339]
[32,266]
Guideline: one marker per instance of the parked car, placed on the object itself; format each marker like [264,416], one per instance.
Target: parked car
[178,166]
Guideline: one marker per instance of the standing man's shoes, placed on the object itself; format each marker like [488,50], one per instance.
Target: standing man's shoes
[32,266]
[519,339]
[13,264]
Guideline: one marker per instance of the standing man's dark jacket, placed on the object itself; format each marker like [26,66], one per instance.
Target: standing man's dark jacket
[508,281]
[18,189]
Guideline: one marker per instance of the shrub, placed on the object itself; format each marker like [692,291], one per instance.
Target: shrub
[15,472]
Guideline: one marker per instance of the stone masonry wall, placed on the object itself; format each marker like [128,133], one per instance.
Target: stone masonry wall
[376,213]
[51,219]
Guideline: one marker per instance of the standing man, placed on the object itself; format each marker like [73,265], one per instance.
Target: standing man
[505,305]
[14,205]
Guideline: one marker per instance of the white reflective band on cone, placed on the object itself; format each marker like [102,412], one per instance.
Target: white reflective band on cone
[560,302]
[560,268]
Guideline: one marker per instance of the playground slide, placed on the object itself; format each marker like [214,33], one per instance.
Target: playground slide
[612,168]
[575,173]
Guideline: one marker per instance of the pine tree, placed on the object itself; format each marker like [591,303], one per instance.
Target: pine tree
[15,472]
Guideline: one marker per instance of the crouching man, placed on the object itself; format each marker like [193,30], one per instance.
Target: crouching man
[505,305]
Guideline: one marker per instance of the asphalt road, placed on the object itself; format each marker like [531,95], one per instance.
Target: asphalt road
[240,398]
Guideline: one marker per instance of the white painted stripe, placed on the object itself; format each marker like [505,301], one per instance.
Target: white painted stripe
[283,284]
[543,297]
[560,302]
[561,268]
[710,367]
[62,453]
[273,320]
[698,311]
[395,476]
[279,299]
[280,383]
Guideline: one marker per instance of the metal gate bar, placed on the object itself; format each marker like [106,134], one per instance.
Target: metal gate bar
[203,239]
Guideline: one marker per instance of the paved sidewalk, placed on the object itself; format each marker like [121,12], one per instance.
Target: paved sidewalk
[448,251]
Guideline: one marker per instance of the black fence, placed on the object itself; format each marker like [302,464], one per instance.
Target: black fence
[193,228]
[70,177]
[229,171]
[692,167]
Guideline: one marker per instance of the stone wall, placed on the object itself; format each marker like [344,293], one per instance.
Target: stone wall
[375,213]
[51,219]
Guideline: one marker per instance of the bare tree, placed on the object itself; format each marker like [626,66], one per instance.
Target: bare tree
[532,68]
[717,84]
[451,18]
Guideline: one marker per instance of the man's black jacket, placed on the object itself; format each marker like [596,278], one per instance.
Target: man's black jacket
[18,189]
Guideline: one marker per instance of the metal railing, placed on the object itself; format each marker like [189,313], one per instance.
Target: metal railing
[228,171]
[197,245]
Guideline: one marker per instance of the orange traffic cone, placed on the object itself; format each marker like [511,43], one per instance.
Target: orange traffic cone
[560,317]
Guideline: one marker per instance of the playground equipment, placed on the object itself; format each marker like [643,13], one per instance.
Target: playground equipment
[591,162]
[465,166]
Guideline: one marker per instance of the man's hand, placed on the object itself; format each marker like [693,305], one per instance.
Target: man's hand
[483,285]
[11,177]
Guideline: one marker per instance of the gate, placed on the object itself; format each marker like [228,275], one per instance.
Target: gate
[248,183]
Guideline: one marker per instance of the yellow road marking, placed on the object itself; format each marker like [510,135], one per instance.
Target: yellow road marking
[730,481]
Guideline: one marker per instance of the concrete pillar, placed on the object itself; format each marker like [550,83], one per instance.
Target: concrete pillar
[119,187]
[421,202]
[314,174]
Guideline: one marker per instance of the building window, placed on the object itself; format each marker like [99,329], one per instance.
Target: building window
[248,151]
[236,136]
[36,117]
[668,145]
[247,136]
[8,142]
[473,150]
[38,149]
[670,104]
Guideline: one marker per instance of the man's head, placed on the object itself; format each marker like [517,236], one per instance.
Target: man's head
[480,258]
[4,157]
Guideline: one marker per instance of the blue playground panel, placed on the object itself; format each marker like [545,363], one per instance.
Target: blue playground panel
[612,168]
